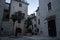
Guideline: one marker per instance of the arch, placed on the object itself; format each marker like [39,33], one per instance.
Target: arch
[18,30]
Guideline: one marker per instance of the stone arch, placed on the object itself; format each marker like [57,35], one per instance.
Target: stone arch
[51,26]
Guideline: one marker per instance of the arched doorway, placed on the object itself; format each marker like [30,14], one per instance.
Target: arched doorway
[52,26]
[18,30]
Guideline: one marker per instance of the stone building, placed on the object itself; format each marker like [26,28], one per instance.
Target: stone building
[1,10]
[35,28]
[5,19]
[10,9]
[21,6]
[49,18]
[2,2]
[38,19]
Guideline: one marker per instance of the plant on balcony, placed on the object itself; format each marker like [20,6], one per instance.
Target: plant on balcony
[17,16]
[28,22]
[29,30]
[14,18]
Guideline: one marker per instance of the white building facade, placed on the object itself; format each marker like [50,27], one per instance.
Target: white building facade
[10,9]
[49,17]
[2,2]
[38,19]
[22,6]
[34,26]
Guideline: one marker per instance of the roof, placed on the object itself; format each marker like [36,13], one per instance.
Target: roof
[32,17]
[37,9]
[7,3]
[22,2]
[25,2]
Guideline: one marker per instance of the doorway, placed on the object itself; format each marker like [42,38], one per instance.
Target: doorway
[18,30]
[52,28]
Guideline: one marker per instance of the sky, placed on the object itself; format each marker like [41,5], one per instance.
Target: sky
[32,7]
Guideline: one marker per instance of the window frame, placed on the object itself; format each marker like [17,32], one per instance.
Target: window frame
[20,4]
[49,6]
[39,21]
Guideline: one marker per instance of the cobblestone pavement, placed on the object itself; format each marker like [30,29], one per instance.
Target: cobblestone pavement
[15,38]
[28,38]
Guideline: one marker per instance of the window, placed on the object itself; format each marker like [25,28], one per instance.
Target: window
[49,6]
[6,15]
[19,16]
[2,29]
[32,26]
[6,10]
[38,21]
[35,19]
[20,4]
[35,25]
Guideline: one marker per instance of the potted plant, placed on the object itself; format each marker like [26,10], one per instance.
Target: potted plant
[29,31]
